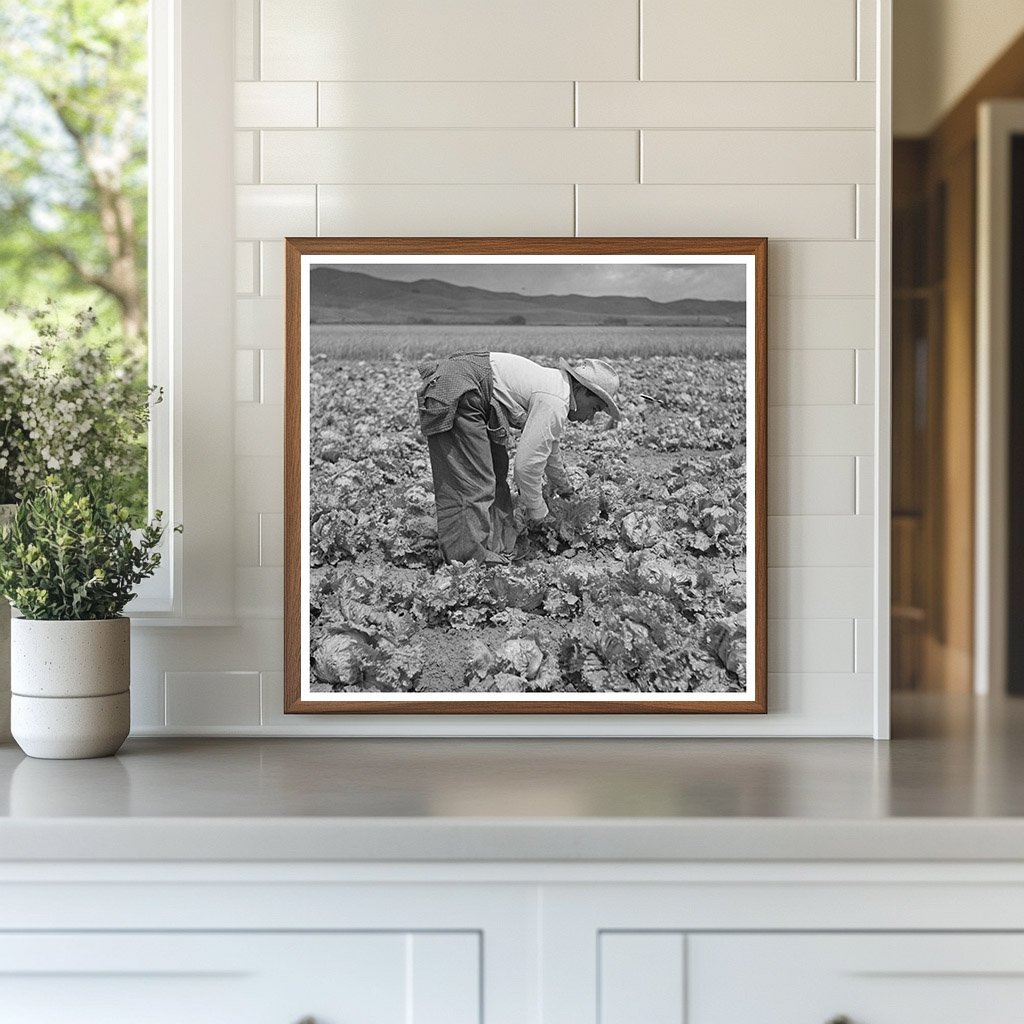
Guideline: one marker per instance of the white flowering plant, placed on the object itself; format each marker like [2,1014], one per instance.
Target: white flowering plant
[75,408]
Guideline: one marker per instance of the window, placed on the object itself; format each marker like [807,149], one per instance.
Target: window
[171,136]
[74,219]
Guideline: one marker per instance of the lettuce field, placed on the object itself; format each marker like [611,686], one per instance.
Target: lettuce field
[637,585]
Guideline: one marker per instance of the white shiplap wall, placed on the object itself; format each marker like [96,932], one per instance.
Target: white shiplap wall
[555,117]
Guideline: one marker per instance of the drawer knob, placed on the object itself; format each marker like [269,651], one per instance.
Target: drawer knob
[841,1019]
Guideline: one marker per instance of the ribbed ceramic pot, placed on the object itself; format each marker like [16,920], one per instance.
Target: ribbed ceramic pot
[6,516]
[69,686]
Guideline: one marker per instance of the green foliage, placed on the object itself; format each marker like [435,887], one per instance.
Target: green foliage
[72,408]
[73,191]
[71,554]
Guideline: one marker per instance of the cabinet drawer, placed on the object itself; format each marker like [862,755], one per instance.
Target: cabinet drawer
[242,978]
[866,978]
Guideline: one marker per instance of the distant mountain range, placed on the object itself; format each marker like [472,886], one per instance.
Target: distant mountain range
[348,297]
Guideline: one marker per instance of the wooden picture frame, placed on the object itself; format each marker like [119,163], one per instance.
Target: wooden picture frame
[643,591]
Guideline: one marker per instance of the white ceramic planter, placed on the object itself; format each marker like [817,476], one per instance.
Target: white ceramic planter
[6,515]
[81,658]
[67,727]
[69,683]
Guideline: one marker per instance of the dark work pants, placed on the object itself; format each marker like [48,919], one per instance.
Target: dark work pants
[471,492]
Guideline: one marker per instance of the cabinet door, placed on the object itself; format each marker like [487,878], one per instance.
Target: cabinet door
[862,978]
[241,978]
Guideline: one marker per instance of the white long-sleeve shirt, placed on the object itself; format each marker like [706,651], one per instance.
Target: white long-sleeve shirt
[537,400]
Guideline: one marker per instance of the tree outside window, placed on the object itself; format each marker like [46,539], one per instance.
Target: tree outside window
[73,172]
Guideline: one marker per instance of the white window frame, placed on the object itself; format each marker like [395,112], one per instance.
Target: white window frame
[191,292]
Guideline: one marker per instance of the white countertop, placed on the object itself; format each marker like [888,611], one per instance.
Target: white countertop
[946,788]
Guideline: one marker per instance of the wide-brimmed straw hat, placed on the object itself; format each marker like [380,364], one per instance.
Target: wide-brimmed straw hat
[598,376]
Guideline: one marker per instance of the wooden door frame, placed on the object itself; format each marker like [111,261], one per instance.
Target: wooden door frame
[998,121]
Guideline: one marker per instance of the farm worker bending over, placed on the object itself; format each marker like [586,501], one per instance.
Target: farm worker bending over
[466,405]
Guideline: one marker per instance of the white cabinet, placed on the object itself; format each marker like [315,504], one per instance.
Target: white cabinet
[786,944]
[511,943]
[869,979]
[642,977]
[241,978]
[263,944]
[672,978]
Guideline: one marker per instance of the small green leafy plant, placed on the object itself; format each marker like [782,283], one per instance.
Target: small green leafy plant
[72,554]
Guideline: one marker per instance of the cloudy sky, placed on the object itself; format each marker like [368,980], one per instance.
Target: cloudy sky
[661,282]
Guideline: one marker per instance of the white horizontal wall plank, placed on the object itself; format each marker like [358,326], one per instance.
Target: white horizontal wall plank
[726,105]
[757,157]
[275,105]
[270,211]
[148,703]
[865,485]
[811,486]
[447,105]
[449,40]
[245,268]
[865,377]
[443,974]
[829,592]
[205,699]
[246,375]
[811,645]
[776,211]
[259,429]
[245,158]
[821,268]
[735,40]
[271,269]
[444,157]
[866,211]
[811,376]
[821,323]
[246,48]
[272,684]
[447,210]
[642,977]
[821,430]
[271,539]
[260,592]
[247,539]
[864,649]
[259,484]
[244,646]
[259,323]
[271,376]
[805,540]
[836,704]
[867,25]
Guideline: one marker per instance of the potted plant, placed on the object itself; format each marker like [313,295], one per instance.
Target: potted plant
[74,405]
[69,563]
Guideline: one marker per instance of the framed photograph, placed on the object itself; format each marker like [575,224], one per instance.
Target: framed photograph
[525,475]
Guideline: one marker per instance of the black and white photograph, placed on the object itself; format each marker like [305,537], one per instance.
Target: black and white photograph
[525,479]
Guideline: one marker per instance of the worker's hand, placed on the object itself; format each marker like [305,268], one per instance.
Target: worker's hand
[539,525]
